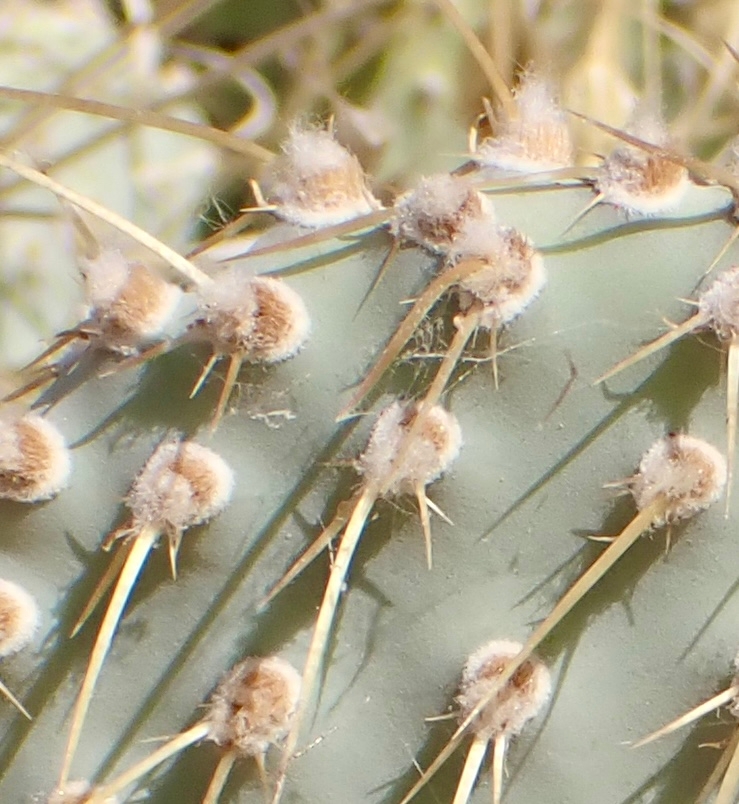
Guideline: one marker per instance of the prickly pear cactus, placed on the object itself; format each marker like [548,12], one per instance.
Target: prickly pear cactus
[651,640]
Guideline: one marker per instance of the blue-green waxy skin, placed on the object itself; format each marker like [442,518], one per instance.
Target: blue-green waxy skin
[653,639]
[527,483]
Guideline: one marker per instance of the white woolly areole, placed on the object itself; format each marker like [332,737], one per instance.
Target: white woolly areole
[720,304]
[254,705]
[537,139]
[515,275]
[317,182]
[638,181]
[687,471]
[35,462]
[181,485]
[431,452]
[105,276]
[262,317]
[19,618]
[520,700]
[128,302]
[435,212]
[75,792]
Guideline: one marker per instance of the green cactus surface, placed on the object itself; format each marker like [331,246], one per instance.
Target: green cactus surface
[654,638]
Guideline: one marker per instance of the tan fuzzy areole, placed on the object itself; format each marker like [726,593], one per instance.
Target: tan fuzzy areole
[536,138]
[276,332]
[503,715]
[251,709]
[19,618]
[638,173]
[253,705]
[513,279]
[262,318]
[332,187]
[719,304]
[517,702]
[138,309]
[444,229]
[21,481]
[430,451]
[34,460]
[182,484]
[435,212]
[685,470]
[204,483]
[19,621]
[316,182]
[638,181]
[254,319]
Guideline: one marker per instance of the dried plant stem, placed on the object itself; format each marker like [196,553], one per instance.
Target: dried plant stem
[651,56]
[186,268]
[465,325]
[142,544]
[481,56]
[423,511]
[178,19]
[144,117]
[370,221]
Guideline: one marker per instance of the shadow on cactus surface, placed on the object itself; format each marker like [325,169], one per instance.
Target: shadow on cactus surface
[654,638]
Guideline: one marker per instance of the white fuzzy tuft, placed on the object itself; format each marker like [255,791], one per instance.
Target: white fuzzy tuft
[315,151]
[19,618]
[720,304]
[515,275]
[261,317]
[432,451]
[687,471]
[317,182]
[254,705]
[638,181]
[434,214]
[105,276]
[520,700]
[35,462]
[537,139]
[129,303]
[182,484]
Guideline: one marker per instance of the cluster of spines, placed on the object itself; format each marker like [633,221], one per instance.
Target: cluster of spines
[246,318]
